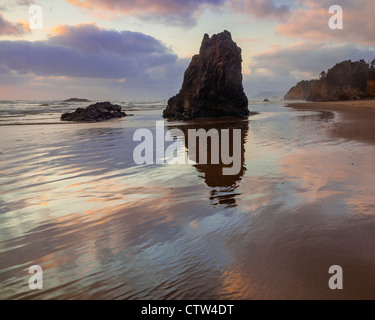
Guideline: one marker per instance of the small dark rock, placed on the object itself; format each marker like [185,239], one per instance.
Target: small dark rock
[266,100]
[76,100]
[100,111]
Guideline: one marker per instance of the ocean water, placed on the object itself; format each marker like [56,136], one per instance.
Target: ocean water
[73,201]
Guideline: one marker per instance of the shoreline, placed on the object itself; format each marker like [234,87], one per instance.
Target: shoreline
[357,118]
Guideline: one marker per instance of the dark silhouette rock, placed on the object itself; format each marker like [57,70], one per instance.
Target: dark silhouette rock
[76,100]
[212,85]
[301,91]
[370,88]
[266,100]
[96,112]
[347,80]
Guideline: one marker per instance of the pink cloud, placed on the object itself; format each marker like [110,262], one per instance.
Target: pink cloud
[8,28]
[94,59]
[280,68]
[310,21]
[179,12]
[87,51]
[307,58]
[265,9]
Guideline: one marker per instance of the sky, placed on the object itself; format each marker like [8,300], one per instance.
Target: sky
[139,49]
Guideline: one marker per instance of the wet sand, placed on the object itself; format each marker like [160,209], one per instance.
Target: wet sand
[74,202]
[354,121]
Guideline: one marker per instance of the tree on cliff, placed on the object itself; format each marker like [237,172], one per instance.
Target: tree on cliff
[371,73]
[348,73]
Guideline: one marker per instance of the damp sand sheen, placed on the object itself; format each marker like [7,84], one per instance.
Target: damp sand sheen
[74,202]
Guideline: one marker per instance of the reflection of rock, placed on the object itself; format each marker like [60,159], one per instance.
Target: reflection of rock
[320,116]
[212,85]
[96,112]
[223,187]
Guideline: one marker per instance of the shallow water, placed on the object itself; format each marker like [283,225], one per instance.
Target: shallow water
[74,202]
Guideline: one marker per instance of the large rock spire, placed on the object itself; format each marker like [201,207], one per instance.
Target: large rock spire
[212,85]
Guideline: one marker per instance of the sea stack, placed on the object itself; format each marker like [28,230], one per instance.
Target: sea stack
[212,85]
[100,111]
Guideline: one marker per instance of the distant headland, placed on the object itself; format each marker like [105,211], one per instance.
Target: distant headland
[76,100]
[347,80]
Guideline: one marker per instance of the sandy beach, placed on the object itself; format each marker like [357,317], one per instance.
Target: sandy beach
[354,120]
[102,227]
[154,151]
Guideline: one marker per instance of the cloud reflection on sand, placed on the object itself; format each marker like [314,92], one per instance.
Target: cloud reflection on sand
[102,227]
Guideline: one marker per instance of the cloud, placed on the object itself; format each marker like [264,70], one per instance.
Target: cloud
[179,12]
[90,39]
[176,12]
[121,62]
[8,28]
[87,51]
[25,2]
[306,58]
[282,67]
[11,5]
[265,9]
[310,21]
